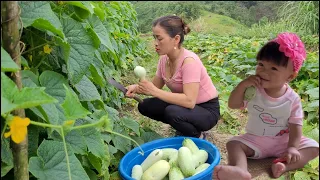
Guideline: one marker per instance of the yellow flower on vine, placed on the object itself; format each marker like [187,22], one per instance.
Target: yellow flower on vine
[255,43]
[69,122]
[18,129]
[47,49]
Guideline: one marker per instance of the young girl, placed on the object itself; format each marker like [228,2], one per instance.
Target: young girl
[274,126]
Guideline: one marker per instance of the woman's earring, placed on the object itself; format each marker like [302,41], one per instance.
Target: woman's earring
[174,48]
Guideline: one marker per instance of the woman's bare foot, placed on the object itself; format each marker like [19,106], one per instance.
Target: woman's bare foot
[222,172]
[278,169]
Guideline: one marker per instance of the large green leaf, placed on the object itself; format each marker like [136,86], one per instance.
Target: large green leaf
[29,79]
[83,5]
[31,97]
[52,113]
[27,82]
[6,156]
[95,161]
[124,145]
[8,87]
[39,111]
[314,93]
[313,134]
[51,163]
[314,163]
[39,15]
[131,124]
[92,175]
[55,113]
[87,90]
[82,9]
[7,64]
[81,139]
[97,76]
[33,140]
[94,141]
[65,48]
[6,105]
[72,106]
[28,97]
[5,168]
[101,32]
[300,175]
[81,49]
[75,140]
[99,11]
[54,84]
[150,136]
[6,153]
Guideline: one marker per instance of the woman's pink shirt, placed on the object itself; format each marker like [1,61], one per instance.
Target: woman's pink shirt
[188,73]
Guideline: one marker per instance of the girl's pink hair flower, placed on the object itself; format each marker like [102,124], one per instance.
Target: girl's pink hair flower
[293,48]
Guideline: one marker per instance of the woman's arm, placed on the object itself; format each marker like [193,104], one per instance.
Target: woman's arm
[158,82]
[186,99]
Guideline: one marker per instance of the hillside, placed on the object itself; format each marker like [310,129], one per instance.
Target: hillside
[216,24]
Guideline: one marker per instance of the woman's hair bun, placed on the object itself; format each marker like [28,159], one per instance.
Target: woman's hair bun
[186,29]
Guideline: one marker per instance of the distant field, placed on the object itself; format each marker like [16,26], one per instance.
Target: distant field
[216,24]
[213,23]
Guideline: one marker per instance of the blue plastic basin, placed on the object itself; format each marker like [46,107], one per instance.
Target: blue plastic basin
[134,157]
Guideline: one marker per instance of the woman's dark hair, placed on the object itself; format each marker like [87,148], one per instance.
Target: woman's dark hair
[270,52]
[173,25]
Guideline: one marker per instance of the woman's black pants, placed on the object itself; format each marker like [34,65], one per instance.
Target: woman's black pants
[190,122]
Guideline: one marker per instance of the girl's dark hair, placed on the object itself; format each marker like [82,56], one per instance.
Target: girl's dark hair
[173,25]
[270,52]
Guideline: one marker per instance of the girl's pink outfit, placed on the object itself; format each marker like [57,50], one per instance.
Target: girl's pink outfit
[268,124]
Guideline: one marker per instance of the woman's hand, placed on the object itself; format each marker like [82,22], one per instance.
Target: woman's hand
[252,80]
[131,90]
[146,87]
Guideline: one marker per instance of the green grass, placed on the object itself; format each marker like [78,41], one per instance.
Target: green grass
[216,24]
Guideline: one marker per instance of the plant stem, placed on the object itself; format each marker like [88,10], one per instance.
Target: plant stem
[66,151]
[45,125]
[4,129]
[5,124]
[87,125]
[142,152]
[41,60]
[35,48]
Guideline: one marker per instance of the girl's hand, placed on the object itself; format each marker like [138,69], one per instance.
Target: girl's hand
[292,155]
[252,80]
[131,90]
[146,87]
